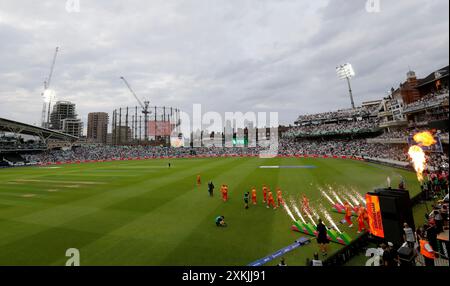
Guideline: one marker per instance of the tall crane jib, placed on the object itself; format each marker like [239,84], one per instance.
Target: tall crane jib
[144,106]
[46,93]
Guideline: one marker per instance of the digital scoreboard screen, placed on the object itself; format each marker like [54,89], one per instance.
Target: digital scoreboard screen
[240,141]
[374,213]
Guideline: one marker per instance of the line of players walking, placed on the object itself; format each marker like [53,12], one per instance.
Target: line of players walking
[269,200]
[268,197]
[361,213]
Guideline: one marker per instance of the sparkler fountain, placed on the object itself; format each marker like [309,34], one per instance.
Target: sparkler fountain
[310,228]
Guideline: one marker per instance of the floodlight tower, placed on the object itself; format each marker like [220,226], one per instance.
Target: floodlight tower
[346,71]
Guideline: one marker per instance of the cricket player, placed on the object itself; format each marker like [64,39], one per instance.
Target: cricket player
[361,225]
[254,195]
[305,204]
[271,201]
[365,215]
[220,221]
[264,193]
[280,201]
[246,198]
[225,193]
[221,189]
[199,180]
[348,214]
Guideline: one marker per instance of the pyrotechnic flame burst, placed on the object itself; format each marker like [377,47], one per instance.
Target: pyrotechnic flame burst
[425,139]
[416,153]
[419,161]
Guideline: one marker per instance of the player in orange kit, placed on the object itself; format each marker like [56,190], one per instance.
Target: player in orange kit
[280,201]
[361,225]
[225,193]
[271,201]
[363,209]
[348,214]
[254,196]
[264,193]
[305,204]
[222,187]
[199,180]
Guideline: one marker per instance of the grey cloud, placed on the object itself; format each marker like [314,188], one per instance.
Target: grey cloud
[227,55]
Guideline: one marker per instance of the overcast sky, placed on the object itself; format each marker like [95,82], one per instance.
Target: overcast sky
[228,55]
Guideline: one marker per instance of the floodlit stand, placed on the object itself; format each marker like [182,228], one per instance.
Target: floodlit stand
[346,71]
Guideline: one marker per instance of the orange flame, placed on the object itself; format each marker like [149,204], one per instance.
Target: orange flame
[418,158]
[424,139]
[416,153]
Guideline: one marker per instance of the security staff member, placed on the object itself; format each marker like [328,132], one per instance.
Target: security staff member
[427,252]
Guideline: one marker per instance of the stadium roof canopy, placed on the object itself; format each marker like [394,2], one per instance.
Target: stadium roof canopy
[12,126]
[434,76]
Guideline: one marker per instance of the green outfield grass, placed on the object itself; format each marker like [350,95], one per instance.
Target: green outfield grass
[143,213]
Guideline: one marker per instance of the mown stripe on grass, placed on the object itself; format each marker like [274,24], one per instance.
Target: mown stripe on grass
[164,229]
[213,241]
[62,215]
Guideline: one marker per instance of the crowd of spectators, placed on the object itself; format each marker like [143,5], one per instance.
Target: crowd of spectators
[108,152]
[340,114]
[288,147]
[438,161]
[405,133]
[344,147]
[8,143]
[342,127]
[395,134]
[432,99]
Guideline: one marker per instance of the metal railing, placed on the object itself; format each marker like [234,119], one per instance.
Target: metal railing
[420,261]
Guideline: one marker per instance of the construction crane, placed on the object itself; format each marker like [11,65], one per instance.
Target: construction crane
[47,93]
[144,107]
